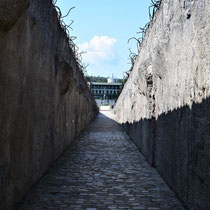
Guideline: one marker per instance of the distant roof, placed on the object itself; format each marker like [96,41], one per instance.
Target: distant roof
[105,83]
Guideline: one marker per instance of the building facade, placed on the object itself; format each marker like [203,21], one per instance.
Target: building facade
[106,91]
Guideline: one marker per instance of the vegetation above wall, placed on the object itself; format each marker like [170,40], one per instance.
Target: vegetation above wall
[100,79]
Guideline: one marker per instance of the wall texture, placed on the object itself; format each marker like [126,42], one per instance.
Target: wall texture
[165,104]
[44,100]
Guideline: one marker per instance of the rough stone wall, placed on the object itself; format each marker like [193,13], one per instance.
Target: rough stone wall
[165,104]
[44,100]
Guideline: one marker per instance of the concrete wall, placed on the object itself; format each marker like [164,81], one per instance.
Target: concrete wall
[165,104]
[44,100]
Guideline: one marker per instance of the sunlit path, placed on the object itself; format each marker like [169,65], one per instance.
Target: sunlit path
[103,169]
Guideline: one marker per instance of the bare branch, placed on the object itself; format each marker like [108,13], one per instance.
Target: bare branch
[73,38]
[135,39]
[54,2]
[68,12]
[69,26]
[58,11]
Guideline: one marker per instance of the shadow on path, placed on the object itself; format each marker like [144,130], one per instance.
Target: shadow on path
[102,169]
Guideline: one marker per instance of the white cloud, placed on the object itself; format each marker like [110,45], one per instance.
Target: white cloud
[98,49]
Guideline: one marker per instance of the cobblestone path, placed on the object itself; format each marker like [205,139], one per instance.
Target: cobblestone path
[102,169]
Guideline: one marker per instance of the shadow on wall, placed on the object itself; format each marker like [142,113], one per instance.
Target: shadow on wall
[178,145]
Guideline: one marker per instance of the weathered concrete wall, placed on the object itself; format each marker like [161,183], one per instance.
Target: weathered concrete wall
[44,100]
[165,104]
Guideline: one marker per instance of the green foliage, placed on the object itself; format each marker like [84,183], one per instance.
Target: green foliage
[97,79]
[100,79]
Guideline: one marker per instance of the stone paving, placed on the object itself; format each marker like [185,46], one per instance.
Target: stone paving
[102,169]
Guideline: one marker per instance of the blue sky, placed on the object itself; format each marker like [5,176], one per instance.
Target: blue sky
[102,28]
